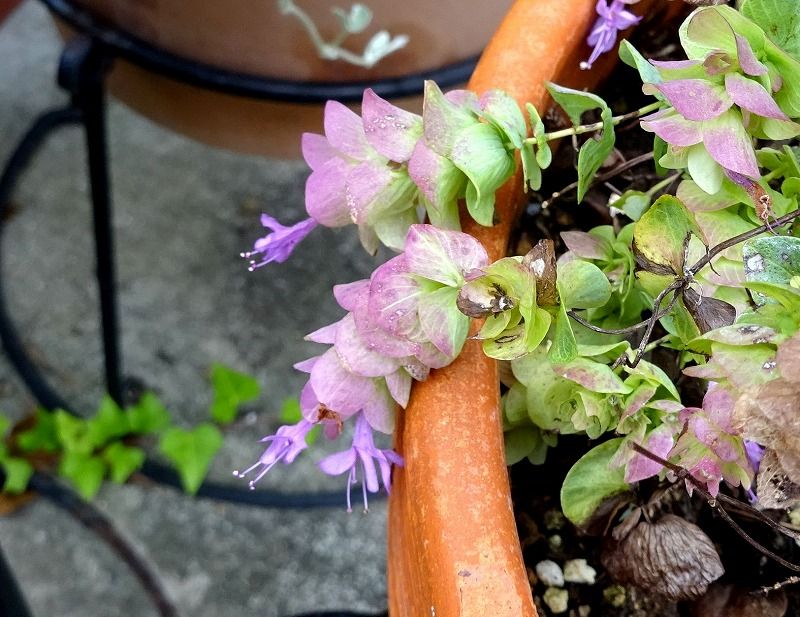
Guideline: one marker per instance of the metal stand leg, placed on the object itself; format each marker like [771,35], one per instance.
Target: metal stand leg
[82,72]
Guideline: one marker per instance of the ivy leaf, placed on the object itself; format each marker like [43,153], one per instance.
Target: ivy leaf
[661,236]
[148,415]
[122,461]
[84,471]
[564,347]
[779,19]
[18,472]
[108,423]
[231,389]
[593,154]
[42,436]
[73,433]
[191,452]
[591,481]
[582,285]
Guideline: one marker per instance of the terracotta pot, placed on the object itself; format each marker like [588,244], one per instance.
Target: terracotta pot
[252,36]
[453,544]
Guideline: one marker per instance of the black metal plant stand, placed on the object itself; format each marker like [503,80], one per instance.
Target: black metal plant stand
[84,65]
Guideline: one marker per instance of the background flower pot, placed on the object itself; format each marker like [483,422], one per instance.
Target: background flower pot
[252,36]
[453,545]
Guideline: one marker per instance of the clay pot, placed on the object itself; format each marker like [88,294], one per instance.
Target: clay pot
[453,544]
[253,37]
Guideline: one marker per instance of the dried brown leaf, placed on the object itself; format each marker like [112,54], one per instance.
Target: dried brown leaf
[541,260]
[671,557]
[775,489]
[708,313]
[732,601]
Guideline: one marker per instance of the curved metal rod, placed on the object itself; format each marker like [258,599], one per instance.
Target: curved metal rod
[157,60]
[49,398]
[95,521]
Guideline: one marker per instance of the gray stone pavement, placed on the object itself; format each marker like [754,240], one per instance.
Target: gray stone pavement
[183,213]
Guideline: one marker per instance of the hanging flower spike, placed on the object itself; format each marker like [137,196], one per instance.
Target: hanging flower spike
[612,20]
[284,446]
[278,245]
[363,450]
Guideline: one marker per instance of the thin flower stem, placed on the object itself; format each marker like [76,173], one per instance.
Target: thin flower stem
[622,167]
[663,184]
[596,126]
[712,501]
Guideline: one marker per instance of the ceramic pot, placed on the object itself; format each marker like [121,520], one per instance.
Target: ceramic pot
[253,37]
[453,544]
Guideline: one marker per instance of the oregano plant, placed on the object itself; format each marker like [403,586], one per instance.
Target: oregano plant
[695,280]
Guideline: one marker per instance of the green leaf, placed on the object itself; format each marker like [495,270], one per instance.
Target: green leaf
[771,259]
[582,285]
[575,102]
[480,153]
[786,295]
[42,436]
[780,19]
[631,56]
[5,424]
[522,442]
[231,389]
[148,415]
[501,110]
[591,481]
[73,433]
[108,423]
[84,471]
[593,154]
[633,203]
[532,173]
[661,236]
[18,472]
[659,151]
[564,347]
[593,376]
[444,325]
[191,452]
[122,461]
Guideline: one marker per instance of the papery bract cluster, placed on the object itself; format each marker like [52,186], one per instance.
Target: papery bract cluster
[400,323]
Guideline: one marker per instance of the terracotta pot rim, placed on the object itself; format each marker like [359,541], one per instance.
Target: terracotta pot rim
[157,59]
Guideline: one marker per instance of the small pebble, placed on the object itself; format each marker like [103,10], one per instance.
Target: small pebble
[554,519]
[584,610]
[555,542]
[615,595]
[578,571]
[556,599]
[549,572]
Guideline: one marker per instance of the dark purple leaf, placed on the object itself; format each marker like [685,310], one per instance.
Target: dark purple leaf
[708,313]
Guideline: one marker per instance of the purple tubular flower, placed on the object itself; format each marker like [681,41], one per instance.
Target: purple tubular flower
[362,451]
[278,245]
[754,453]
[284,446]
[611,20]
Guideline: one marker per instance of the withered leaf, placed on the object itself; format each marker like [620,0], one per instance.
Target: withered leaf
[708,313]
[773,486]
[671,557]
[645,264]
[734,601]
[768,414]
[541,260]
[483,300]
